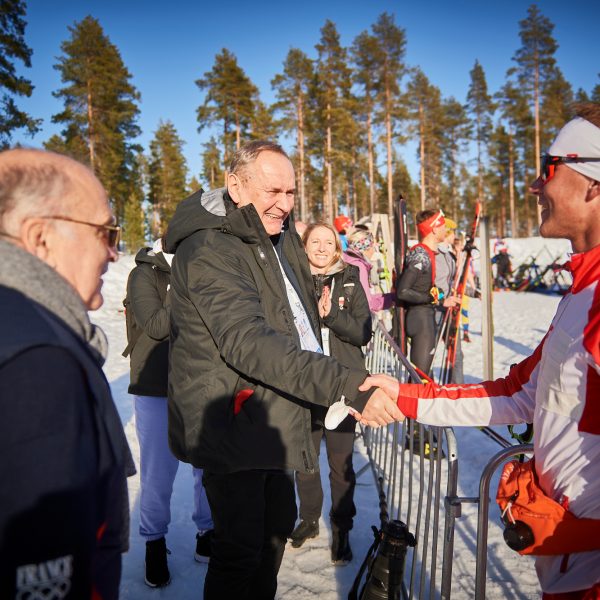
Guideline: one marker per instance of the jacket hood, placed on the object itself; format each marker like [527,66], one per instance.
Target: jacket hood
[216,210]
[156,259]
[201,210]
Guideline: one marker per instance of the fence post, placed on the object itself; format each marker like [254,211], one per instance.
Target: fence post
[487,320]
[484,511]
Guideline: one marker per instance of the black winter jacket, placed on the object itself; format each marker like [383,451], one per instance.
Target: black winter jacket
[349,322]
[349,319]
[148,300]
[233,335]
[418,277]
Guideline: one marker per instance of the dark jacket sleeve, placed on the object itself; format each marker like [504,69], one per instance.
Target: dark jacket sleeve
[228,301]
[148,310]
[48,488]
[406,287]
[353,324]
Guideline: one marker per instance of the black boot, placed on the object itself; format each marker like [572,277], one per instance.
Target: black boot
[341,553]
[306,530]
[157,570]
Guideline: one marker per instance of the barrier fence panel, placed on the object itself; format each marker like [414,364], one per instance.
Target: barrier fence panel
[416,472]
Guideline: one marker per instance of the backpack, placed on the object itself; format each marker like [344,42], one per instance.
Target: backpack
[134,331]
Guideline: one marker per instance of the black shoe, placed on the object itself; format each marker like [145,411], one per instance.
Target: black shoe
[157,570]
[306,530]
[341,553]
[202,553]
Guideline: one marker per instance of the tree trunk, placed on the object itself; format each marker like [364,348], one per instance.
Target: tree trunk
[91,132]
[388,139]
[301,175]
[329,199]
[511,187]
[238,140]
[371,163]
[536,112]
[479,167]
[422,152]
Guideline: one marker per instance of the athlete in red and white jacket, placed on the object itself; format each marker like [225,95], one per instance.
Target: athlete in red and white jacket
[558,386]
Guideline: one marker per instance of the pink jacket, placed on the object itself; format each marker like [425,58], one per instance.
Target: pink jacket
[376,301]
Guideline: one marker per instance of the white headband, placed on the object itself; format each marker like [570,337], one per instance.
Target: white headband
[580,138]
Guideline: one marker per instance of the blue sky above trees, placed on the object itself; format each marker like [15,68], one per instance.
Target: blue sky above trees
[167,46]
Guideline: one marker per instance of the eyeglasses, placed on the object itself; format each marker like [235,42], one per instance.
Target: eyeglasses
[549,163]
[112,233]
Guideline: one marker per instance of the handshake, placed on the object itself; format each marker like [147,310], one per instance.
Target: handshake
[380,409]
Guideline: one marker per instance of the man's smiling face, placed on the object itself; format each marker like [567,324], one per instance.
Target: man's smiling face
[269,184]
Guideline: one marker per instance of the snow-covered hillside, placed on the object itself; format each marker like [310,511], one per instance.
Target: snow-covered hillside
[520,321]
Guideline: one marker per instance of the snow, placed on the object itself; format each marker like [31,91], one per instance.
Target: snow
[520,321]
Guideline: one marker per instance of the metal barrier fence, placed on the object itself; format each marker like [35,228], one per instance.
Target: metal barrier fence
[416,473]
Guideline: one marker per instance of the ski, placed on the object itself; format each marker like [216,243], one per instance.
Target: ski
[454,313]
[400,249]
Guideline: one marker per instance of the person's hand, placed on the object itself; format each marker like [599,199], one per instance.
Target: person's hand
[451,301]
[379,410]
[325,302]
[390,385]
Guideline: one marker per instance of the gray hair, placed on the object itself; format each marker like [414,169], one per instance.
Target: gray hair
[248,153]
[32,183]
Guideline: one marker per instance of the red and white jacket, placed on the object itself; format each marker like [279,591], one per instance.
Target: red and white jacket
[558,389]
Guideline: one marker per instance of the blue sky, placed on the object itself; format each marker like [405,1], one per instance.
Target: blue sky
[168,45]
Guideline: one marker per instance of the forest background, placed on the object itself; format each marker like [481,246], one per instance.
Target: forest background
[444,103]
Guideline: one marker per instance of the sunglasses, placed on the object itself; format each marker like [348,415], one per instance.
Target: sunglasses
[112,233]
[549,163]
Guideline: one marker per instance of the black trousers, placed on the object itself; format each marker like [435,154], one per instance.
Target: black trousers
[420,328]
[457,371]
[253,514]
[339,444]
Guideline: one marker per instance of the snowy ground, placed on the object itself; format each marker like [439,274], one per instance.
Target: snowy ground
[520,321]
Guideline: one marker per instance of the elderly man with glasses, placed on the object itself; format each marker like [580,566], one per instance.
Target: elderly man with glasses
[554,511]
[63,495]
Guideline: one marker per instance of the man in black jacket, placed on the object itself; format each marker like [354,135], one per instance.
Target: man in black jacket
[64,511]
[246,363]
[417,290]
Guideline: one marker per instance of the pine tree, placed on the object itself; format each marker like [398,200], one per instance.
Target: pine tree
[134,223]
[212,171]
[516,118]
[498,177]
[229,100]
[193,185]
[366,56]
[100,109]
[456,132]
[426,116]
[13,46]
[390,70]
[481,108]
[292,88]
[535,64]
[556,105]
[596,93]
[333,118]
[167,172]
[262,123]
